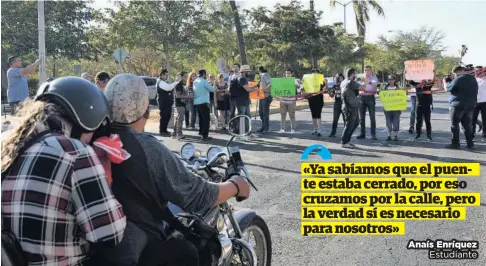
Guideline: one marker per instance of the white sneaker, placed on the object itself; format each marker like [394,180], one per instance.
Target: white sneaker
[281,131]
[347,145]
[292,131]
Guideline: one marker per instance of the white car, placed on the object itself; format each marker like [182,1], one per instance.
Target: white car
[151,83]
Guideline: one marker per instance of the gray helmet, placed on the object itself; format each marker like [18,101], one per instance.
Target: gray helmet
[85,104]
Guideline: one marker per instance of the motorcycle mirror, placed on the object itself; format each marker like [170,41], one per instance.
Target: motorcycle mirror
[240,125]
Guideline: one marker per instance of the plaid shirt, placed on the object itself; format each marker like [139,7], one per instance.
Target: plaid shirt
[56,198]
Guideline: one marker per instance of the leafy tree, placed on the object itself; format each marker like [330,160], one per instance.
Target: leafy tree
[362,16]
[388,54]
[65,23]
[346,52]
[288,37]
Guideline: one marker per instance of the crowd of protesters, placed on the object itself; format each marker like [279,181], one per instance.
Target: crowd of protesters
[211,100]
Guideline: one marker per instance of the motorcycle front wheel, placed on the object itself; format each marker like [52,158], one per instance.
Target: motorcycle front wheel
[261,240]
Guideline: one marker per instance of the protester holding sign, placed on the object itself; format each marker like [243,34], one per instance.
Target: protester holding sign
[368,102]
[315,99]
[264,104]
[392,116]
[423,107]
[288,105]
[463,99]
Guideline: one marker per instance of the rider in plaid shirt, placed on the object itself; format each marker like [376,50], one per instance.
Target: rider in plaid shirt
[56,199]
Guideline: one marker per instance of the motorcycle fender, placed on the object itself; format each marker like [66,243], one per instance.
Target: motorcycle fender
[243,217]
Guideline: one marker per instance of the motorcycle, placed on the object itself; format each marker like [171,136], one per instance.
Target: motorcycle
[235,227]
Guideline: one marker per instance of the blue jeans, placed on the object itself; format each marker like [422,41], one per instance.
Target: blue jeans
[392,121]
[190,114]
[264,111]
[412,111]
[242,109]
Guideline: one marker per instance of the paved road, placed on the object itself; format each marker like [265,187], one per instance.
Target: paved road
[273,161]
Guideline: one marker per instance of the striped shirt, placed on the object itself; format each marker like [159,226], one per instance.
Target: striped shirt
[56,199]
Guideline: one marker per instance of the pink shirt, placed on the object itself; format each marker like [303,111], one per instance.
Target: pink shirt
[371,86]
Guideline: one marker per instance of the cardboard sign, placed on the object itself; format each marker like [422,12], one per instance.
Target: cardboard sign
[394,100]
[282,87]
[255,95]
[418,70]
[313,82]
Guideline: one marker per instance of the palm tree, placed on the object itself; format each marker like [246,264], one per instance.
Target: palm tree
[314,58]
[239,32]
[362,15]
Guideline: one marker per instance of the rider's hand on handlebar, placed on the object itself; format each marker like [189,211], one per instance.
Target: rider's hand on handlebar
[243,186]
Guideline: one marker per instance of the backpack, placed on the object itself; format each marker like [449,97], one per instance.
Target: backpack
[234,86]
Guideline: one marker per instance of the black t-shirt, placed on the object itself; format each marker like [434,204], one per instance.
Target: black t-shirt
[424,96]
[179,91]
[336,92]
[211,94]
[237,92]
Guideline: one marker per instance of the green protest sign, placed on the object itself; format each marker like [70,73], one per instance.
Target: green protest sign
[282,87]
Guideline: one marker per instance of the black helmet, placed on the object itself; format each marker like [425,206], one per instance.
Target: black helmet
[86,105]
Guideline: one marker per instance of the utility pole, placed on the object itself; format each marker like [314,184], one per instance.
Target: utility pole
[42,41]
[333,4]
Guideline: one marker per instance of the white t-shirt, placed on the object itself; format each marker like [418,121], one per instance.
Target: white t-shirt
[164,85]
[481,90]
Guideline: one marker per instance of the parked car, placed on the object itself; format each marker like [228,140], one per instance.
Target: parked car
[300,86]
[151,82]
[330,82]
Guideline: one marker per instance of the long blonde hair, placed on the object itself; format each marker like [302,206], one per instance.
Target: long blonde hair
[32,114]
[189,79]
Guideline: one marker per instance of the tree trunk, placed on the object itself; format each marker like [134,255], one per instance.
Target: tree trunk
[54,67]
[239,33]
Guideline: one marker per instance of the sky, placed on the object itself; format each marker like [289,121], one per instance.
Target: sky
[460,20]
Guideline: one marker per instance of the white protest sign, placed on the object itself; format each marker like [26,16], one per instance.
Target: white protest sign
[419,70]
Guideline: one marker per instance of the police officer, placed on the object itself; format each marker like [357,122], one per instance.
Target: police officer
[423,107]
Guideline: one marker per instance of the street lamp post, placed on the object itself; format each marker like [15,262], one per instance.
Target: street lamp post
[333,3]
[42,41]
